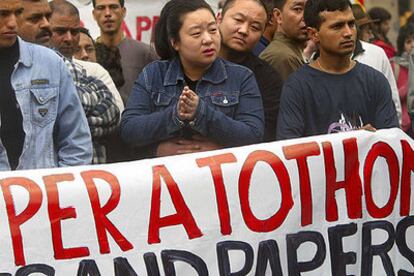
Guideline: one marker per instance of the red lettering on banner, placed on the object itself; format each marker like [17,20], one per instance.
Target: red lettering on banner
[102,223]
[351,184]
[143,24]
[215,162]
[15,221]
[272,223]
[125,29]
[57,214]
[407,169]
[301,152]
[183,215]
[381,149]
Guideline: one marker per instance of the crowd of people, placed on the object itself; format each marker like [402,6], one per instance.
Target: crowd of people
[256,71]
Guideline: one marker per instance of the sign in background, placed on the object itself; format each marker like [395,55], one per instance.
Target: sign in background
[140,20]
[327,205]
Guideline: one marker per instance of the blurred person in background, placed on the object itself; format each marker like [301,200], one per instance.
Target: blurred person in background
[405,45]
[381,28]
[373,55]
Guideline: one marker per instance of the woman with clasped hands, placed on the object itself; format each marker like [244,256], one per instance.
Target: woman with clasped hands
[191,100]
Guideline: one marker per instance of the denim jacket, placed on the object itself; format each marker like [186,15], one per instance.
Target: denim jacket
[55,126]
[230,109]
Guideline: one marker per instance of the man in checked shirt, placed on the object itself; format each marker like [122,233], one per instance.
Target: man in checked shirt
[98,102]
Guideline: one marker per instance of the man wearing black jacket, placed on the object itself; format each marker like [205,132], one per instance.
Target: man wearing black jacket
[241,25]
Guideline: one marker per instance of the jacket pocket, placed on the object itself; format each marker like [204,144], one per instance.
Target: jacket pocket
[43,105]
[161,99]
[225,102]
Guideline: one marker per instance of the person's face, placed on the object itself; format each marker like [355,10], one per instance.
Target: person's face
[10,11]
[199,39]
[409,44]
[365,33]
[109,15]
[290,20]
[385,27]
[65,33]
[34,23]
[86,49]
[242,25]
[337,33]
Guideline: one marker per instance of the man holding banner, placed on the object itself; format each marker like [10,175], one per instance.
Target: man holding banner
[334,93]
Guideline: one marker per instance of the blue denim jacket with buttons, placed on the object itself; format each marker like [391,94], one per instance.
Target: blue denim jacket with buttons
[55,126]
[230,109]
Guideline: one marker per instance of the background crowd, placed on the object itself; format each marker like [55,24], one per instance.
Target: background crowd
[254,71]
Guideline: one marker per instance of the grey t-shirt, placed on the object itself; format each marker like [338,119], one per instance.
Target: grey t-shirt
[134,56]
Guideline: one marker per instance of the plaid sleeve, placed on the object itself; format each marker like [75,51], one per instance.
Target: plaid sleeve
[97,101]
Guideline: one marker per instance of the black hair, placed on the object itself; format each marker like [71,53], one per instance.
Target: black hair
[121,3]
[86,32]
[170,22]
[265,4]
[380,14]
[279,4]
[405,32]
[314,8]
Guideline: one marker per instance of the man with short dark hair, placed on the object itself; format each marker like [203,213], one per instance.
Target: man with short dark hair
[109,15]
[334,93]
[42,121]
[98,101]
[270,28]
[285,51]
[241,25]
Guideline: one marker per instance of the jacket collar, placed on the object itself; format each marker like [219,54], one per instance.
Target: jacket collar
[215,74]
[25,53]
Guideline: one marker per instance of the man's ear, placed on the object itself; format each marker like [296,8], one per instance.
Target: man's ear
[313,34]
[124,11]
[277,15]
[272,19]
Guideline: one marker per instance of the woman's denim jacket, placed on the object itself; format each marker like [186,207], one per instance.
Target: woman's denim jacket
[230,109]
[55,126]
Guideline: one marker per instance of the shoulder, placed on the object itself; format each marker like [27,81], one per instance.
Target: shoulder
[39,52]
[135,44]
[261,68]
[234,70]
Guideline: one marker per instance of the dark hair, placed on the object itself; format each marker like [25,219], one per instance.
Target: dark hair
[405,32]
[314,8]
[170,22]
[64,7]
[380,14]
[121,3]
[279,4]
[86,32]
[229,3]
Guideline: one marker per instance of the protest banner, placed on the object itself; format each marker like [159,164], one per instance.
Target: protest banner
[326,205]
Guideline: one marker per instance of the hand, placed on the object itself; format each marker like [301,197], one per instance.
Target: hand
[181,146]
[205,143]
[176,146]
[187,104]
[368,127]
